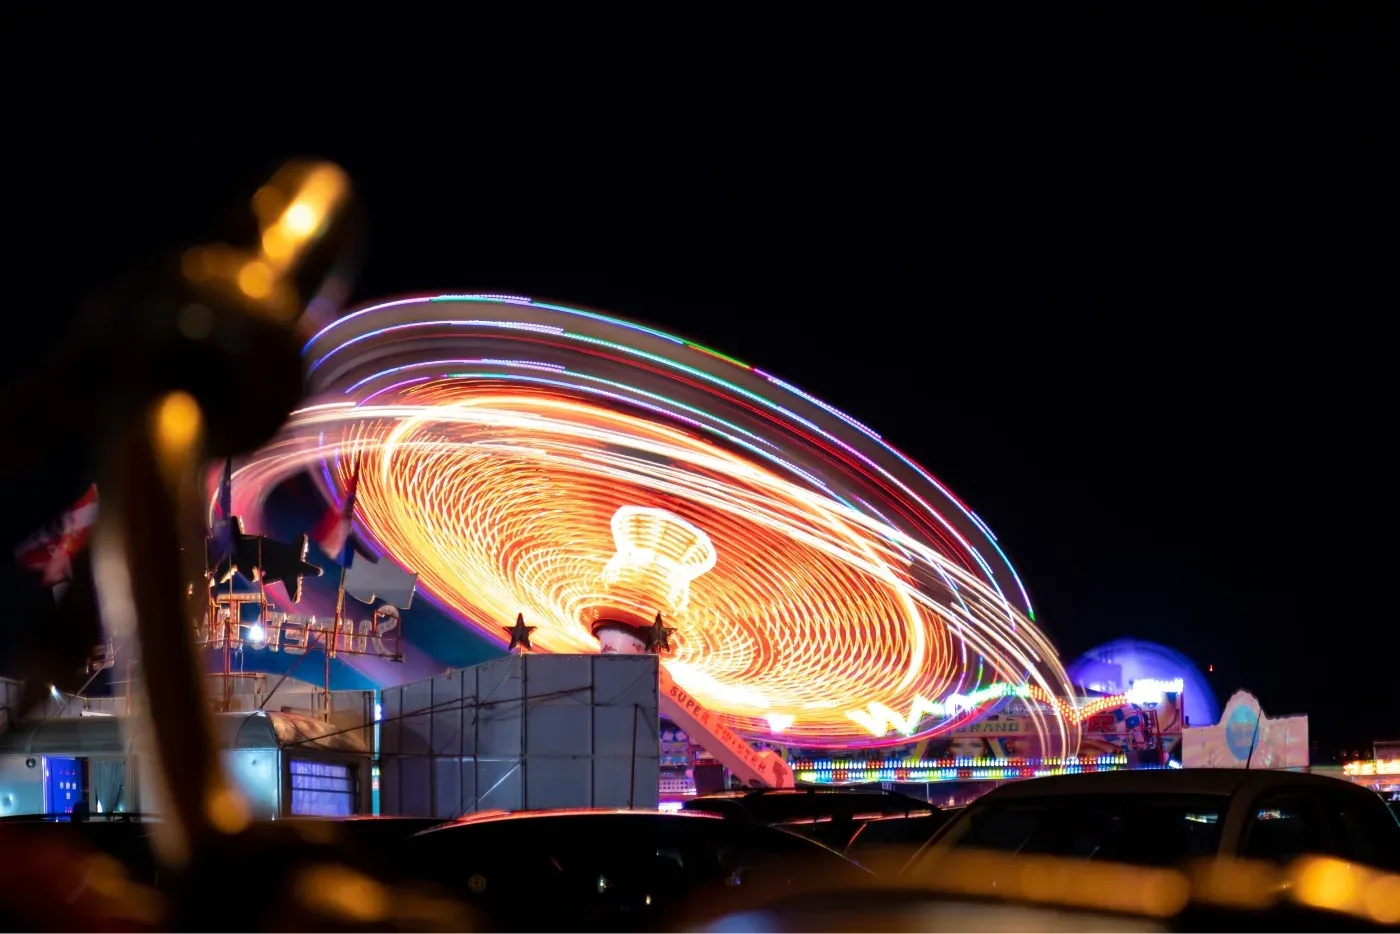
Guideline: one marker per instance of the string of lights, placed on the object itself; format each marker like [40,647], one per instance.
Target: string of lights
[524,457]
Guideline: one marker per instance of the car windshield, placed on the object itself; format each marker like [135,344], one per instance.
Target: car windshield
[1153,830]
[608,862]
[779,808]
[896,831]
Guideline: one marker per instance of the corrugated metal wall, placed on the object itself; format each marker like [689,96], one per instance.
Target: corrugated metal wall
[523,733]
[11,692]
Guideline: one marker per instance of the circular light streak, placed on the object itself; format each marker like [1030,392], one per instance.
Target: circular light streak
[526,457]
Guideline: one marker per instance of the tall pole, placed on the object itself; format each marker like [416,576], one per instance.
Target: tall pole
[228,645]
[335,635]
[346,552]
[262,600]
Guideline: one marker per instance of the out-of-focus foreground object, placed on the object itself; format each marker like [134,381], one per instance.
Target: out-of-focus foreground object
[990,891]
[209,368]
[214,372]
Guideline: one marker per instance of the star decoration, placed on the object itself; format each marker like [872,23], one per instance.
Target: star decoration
[659,635]
[257,557]
[520,635]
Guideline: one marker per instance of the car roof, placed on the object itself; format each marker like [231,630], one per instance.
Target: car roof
[753,794]
[1163,781]
[493,817]
[359,819]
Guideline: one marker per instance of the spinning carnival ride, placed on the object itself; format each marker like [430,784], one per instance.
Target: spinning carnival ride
[523,457]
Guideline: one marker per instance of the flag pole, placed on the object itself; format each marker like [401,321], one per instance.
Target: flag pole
[346,552]
[229,630]
[211,596]
[335,635]
[262,601]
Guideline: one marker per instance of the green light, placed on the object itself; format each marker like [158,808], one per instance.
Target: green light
[716,353]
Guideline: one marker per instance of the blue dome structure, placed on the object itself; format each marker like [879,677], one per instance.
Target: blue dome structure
[1113,666]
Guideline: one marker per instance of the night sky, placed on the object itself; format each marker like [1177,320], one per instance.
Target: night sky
[1152,357]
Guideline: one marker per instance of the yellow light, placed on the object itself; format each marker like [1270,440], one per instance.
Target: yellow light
[277,246]
[1372,767]
[342,893]
[1330,884]
[301,219]
[226,810]
[256,279]
[1383,899]
[1237,883]
[177,425]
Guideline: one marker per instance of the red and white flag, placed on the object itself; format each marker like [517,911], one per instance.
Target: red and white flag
[332,533]
[50,551]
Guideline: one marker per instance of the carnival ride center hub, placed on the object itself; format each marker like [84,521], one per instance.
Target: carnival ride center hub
[523,457]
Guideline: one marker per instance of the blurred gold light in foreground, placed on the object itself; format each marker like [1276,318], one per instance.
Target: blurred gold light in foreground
[1237,883]
[227,811]
[293,210]
[341,892]
[1383,899]
[1350,888]
[256,279]
[1314,881]
[177,422]
[1132,890]
[296,207]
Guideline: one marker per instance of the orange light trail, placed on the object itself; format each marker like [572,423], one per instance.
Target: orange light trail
[522,457]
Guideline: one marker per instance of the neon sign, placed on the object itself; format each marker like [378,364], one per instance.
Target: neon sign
[276,631]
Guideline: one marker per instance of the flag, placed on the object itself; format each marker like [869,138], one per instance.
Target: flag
[50,551]
[231,550]
[224,531]
[368,580]
[258,557]
[366,577]
[333,533]
[272,561]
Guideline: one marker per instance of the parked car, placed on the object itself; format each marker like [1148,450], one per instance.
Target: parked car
[362,830]
[884,844]
[831,816]
[775,805]
[592,869]
[126,840]
[1131,825]
[1165,817]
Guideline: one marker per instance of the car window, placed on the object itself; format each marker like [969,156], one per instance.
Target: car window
[896,831]
[1283,825]
[608,863]
[784,845]
[778,808]
[723,807]
[1362,828]
[779,856]
[1154,830]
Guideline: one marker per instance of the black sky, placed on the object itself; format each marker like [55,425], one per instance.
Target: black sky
[1153,352]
